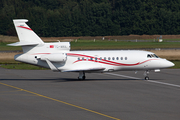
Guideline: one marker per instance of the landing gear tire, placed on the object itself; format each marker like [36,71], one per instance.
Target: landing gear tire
[146,78]
[83,78]
[146,75]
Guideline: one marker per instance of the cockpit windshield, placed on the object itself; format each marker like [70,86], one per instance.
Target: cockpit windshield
[152,56]
[156,56]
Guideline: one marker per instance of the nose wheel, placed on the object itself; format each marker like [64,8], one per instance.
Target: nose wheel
[146,75]
[146,78]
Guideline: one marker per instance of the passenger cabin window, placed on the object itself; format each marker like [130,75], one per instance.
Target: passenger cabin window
[78,58]
[109,58]
[91,58]
[117,58]
[96,58]
[104,58]
[121,58]
[125,58]
[112,58]
[100,58]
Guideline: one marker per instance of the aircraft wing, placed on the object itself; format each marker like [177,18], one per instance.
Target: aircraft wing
[77,68]
[85,69]
[83,66]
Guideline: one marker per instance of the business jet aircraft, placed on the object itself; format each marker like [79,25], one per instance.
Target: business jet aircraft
[58,57]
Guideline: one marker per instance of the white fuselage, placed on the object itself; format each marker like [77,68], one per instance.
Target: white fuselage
[110,60]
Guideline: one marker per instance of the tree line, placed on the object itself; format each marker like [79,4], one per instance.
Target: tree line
[56,18]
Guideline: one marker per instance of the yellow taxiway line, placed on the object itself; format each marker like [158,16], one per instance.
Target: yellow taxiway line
[60,101]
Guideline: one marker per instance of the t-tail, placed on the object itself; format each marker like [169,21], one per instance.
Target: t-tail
[27,37]
[35,51]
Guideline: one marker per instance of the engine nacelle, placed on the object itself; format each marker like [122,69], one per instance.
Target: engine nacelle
[55,57]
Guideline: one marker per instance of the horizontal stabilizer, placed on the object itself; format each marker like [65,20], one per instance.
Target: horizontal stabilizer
[23,43]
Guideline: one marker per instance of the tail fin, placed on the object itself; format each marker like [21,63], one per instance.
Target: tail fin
[25,34]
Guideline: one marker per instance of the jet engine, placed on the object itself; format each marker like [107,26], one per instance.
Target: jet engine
[55,57]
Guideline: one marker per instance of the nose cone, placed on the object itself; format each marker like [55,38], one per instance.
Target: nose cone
[166,64]
[171,64]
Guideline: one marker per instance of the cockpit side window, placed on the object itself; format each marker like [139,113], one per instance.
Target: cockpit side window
[148,56]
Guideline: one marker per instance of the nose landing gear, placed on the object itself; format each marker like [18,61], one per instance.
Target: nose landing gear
[146,75]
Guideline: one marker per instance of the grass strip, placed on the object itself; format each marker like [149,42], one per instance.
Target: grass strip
[177,64]
[105,45]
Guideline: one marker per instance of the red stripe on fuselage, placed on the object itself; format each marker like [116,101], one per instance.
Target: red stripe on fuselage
[79,55]
[105,61]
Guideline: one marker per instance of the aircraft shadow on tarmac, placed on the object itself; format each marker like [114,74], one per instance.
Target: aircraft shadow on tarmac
[64,80]
[125,79]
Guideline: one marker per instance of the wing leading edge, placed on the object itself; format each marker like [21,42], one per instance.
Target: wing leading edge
[85,69]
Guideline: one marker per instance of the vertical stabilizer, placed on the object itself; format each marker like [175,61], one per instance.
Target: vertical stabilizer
[25,34]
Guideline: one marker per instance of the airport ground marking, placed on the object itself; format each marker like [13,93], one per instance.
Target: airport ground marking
[163,83]
[123,76]
[92,111]
[169,84]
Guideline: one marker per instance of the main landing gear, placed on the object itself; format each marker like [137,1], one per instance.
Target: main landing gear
[146,75]
[82,75]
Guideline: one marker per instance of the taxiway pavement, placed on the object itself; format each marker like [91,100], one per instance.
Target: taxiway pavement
[47,95]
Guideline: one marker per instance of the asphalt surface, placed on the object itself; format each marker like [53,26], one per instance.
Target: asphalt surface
[47,95]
